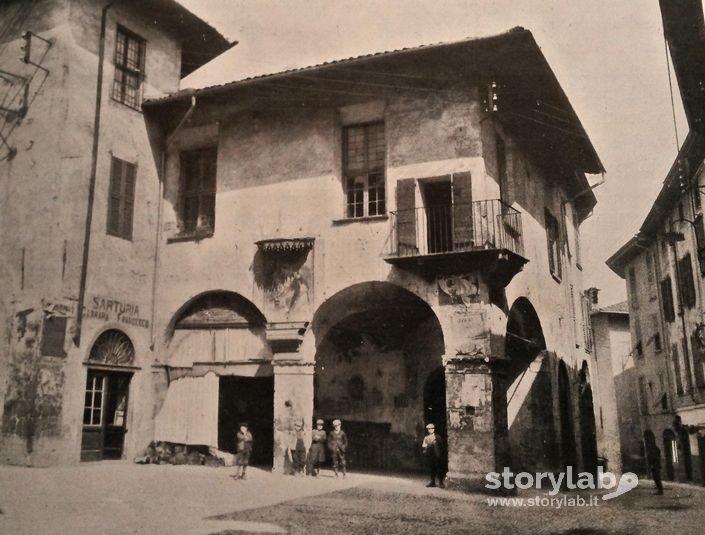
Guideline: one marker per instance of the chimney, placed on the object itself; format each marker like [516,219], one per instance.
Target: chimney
[592,294]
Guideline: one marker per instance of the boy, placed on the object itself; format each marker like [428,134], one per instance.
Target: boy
[432,447]
[317,451]
[338,445]
[243,451]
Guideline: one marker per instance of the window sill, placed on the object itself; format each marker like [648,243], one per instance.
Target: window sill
[137,108]
[191,236]
[366,219]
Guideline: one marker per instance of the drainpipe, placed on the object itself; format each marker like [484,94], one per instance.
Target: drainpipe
[91,184]
[162,178]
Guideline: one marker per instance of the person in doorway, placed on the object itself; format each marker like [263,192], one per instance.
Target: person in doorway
[653,458]
[338,446]
[432,447]
[317,451]
[243,451]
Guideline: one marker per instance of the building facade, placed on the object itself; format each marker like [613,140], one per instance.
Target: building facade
[78,219]
[664,268]
[390,240]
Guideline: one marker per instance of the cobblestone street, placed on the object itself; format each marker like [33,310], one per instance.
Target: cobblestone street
[122,498]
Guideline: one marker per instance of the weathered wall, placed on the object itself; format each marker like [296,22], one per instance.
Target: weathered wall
[45,191]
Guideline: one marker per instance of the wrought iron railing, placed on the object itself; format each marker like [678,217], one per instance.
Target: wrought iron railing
[476,226]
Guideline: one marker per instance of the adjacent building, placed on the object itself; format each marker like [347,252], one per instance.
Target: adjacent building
[664,265]
[80,190]
[390,239]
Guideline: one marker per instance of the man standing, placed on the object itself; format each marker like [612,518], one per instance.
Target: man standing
[653,458]
[243,451]
[338,445]
[432,447]
[317,451]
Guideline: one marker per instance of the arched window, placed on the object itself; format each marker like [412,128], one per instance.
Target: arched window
[113,347]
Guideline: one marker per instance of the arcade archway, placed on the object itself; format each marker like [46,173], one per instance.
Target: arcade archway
[588,431]
[379,369]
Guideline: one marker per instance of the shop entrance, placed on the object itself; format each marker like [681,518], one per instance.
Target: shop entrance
[104,415]
[250,400]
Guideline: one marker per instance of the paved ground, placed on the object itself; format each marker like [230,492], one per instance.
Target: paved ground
[123,498]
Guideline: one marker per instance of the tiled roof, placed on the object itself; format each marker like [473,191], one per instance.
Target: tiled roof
[617,308]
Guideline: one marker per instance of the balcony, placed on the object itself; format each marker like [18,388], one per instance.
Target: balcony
[485,234]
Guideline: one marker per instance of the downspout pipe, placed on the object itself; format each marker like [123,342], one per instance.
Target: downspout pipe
[162,179]
[91,183]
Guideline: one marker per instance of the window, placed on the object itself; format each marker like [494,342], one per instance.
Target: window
[669,312]
[657,333]
[553,239]
[121,199]
[198,185]
[93,409]
[638,346]
[643,396]
[675,358]
[129,68]
[699,225]
[650,269]
[54,336]
[633,294]
[686,286]
[364,170]
[587,323]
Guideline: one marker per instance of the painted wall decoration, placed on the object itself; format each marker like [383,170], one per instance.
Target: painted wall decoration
[459,289]
[283,274]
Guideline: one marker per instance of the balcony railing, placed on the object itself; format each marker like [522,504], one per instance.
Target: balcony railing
[476,226]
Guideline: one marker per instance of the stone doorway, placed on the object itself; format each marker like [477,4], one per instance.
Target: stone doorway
[249,400]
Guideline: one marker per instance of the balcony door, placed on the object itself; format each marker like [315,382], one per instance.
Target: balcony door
[438,204]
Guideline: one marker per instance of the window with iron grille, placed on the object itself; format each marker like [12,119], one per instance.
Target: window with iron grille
[686,285]
[364,170]
[129,68]
[121,198]
[669,312]
[553,240]
[198,187]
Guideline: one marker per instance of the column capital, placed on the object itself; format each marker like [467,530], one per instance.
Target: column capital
[286,337]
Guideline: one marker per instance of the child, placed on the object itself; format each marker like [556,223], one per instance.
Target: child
[433,451]
[243,451]
[338,445]
[317,451]
[299,453]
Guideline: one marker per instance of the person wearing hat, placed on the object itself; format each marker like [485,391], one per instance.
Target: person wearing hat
[317,451]
[243,451]
[338,445]
[432,447]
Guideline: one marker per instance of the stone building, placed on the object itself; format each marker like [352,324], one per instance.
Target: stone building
[79,216]
[664,265]
[391,240]
[618,431]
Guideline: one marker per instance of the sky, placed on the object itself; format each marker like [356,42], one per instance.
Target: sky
[608,55]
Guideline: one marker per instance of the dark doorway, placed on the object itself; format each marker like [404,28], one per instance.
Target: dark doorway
[588,435]
[566,415]
[438,200]
[105,415]
[434,407]
[670,453]
[251,400]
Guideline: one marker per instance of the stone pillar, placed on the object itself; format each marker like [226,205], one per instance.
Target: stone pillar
[477,420]
[293,402]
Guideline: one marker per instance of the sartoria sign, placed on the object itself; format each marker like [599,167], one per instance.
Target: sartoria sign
[109,309]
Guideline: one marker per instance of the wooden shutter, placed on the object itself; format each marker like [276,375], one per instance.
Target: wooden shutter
[128,200]
[686,284]
[677,369]
[54,336]
[406,217]
[463,237]
[698,360]
[669,312]
[115,197]
[700,238]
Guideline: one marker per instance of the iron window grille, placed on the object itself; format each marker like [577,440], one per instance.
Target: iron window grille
[121,198]
[129,68]
[198,190]
[364,170]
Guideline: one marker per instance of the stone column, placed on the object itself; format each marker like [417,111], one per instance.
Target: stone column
[293,402]
[477,420]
